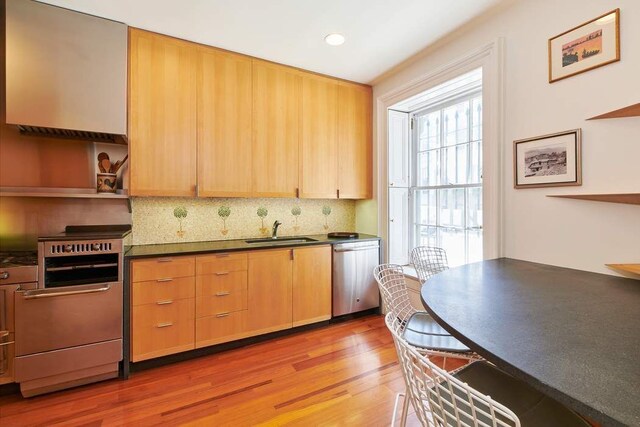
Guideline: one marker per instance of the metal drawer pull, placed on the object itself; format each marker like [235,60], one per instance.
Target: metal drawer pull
[165,259]
[7,343]
[4,334]
[164,325]
[164,280]
[221,273]
[46,294]
[169,301]
[223,293]
[223,314]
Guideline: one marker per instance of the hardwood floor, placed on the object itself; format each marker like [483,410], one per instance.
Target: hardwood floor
[345,374]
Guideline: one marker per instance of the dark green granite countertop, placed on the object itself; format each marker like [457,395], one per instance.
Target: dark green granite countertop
[194,248]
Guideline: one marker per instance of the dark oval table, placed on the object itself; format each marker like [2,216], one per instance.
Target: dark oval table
[573,335]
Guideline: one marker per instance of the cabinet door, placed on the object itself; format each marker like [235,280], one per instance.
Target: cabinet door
[224,124]
[269,290]
[319,138]
[162,115]
[311,285]
[276,108]
[354,141]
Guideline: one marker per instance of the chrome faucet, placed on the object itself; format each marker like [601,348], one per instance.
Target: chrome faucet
[274,230]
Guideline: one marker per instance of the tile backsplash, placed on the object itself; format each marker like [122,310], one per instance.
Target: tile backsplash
[173,219]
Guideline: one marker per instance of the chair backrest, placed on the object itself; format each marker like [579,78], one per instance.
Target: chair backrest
[428,260]
[393,288]
[439,399]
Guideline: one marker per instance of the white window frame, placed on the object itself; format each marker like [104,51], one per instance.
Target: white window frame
[464,95]
[490,57]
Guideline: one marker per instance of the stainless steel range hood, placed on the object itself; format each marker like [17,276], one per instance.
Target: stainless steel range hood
[66,73]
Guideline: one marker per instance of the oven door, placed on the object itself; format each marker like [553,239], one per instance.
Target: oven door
[59,318]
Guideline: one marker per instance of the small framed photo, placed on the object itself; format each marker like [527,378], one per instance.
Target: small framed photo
[548,161]
[585,47]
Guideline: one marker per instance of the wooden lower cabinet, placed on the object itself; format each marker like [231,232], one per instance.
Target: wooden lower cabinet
[270,285]
[311,285]
[231,296]
[162,328]
[221,328]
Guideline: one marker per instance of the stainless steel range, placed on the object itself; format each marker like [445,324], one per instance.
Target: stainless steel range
[18,271]
[69,329]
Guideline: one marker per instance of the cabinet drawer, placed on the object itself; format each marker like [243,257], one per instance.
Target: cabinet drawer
[221,263]
[220,294]
[217,329]
[158,290]
[158,330]
[162,268]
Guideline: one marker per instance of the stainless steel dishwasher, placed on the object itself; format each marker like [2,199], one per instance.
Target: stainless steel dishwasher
[354,288]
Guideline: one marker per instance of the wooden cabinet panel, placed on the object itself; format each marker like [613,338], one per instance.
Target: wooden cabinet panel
[155,291]
[311,285]
[221,263]
[319,137]
[162,115]
[162,268]
[222,328]
[276,107]
[159,330]
[354,141]
[224,124]
[221,294]
[269,286]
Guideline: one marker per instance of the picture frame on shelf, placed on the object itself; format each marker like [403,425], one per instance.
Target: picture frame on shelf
[552,160]
[585,47]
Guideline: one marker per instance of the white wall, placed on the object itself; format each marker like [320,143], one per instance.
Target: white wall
[571,233]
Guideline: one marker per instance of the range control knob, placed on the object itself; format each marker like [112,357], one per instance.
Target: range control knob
[68,248]
[96,246]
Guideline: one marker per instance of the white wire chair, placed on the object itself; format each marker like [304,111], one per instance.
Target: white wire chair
[428,260]
[418,328]
[441,398]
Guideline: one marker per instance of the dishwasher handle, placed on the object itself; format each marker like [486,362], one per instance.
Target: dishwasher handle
[356,249]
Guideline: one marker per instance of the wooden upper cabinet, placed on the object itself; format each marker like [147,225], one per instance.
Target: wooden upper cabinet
[224,124]
[319,137]
[276,108]
[162,115]
[354,141]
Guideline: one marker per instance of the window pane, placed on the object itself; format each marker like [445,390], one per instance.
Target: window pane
[456,123]
[453,241]
[429,131]
[474,245]
[474,209]
[452,207]
[428,168]
[425,210]
[475,170]
[462,162]
[426,236]
[476,108]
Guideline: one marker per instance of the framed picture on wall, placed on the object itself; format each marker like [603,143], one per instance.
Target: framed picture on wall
[548,161]
[585,47]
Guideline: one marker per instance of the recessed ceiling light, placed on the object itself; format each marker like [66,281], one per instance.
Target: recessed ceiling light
[334,39]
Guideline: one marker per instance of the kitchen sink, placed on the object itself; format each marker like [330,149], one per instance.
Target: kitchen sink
[282,240]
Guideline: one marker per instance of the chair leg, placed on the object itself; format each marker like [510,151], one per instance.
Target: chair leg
[405,410]
[405,406]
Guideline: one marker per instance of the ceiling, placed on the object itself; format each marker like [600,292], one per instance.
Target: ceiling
[379,33]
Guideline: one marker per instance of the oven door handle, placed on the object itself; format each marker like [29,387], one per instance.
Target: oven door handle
[46,293]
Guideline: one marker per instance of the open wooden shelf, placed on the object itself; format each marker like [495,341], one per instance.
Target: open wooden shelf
[630,111]
[629,268]
[626,198]
[71,193]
